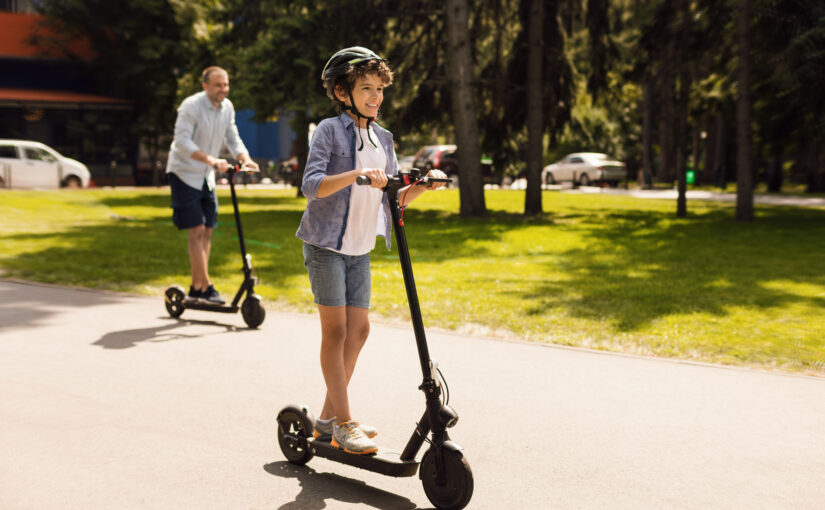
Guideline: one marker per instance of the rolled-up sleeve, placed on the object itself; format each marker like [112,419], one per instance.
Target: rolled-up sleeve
[185,128]
[317,161]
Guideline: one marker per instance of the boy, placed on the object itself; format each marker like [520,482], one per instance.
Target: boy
[340,224]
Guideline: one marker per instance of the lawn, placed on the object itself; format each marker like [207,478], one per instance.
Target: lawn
[599,271]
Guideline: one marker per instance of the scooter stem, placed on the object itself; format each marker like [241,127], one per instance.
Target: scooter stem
[409,283]
[233,171]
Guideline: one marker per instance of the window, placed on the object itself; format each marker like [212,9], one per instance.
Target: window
[8,151]
[575,160]
[27,6]
[38,154]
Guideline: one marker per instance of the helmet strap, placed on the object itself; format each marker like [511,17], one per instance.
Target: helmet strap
[358,117]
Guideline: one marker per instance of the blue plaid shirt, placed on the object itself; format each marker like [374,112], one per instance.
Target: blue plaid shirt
[332,151]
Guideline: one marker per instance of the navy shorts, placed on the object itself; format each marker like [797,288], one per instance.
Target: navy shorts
[338,279]
[191,207]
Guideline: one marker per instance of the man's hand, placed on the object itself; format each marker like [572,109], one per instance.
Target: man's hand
[220,165]
[249,165]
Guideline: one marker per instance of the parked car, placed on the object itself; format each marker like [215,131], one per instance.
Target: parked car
[27,164]
[430,156]
[445,158]
[585,168]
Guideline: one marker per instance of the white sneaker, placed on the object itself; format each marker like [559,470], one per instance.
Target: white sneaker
[368,430]
[349,437]
[323,428]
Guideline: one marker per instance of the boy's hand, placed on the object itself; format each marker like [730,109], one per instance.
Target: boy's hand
[378,179]
[436,174]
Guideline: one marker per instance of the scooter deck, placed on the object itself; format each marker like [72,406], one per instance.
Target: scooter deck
[385,463]
[211,307]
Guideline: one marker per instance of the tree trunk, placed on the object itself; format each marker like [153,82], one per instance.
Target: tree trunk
[535,110]
[666,172]
[744,173]
[682,108]
[459,58]
[646,179]
[775,173]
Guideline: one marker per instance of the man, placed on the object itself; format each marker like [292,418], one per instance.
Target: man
[206,122]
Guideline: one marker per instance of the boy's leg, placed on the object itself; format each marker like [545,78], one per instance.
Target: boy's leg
[357,331]
[333,341]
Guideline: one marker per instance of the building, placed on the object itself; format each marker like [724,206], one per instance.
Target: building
[48,99]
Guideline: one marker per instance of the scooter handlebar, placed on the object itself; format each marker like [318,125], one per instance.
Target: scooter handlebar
[364,180]
[235,166]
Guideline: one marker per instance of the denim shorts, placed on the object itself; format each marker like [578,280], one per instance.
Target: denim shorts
[191,207]
[338,279]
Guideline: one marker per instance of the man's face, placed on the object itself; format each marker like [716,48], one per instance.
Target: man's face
[217,88]
[368,94]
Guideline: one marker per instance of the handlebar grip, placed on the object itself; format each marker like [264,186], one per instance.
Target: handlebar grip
[363,180]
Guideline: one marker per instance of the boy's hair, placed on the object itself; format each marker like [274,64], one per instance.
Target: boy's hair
[209,70]
[346,80]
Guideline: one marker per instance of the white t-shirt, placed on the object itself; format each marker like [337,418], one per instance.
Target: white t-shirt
[365,220]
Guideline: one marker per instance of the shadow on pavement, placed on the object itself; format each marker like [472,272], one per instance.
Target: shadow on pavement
[131,337]
[317,487]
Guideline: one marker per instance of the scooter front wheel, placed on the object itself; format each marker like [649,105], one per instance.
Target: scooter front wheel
[295,427]
[457,487]
[253,311]
[173,298]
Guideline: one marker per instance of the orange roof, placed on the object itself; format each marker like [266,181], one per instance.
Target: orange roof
[56,96]
[15,30]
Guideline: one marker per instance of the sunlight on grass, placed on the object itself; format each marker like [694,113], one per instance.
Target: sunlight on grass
[599,271]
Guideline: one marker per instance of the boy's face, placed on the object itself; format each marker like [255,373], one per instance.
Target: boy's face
[368,94]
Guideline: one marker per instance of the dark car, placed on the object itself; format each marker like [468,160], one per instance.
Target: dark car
[430,156]
[445,158]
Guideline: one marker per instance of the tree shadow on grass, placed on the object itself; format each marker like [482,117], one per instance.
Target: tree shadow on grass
[119,254]
[638,266]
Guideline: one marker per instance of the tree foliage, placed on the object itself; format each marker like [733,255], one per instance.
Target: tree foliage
[140,49]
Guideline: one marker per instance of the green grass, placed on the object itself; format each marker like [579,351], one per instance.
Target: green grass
[606,272]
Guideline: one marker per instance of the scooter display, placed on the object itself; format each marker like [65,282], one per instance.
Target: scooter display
[443,469]
[252,308]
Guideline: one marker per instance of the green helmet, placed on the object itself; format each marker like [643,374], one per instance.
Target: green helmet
[340,63]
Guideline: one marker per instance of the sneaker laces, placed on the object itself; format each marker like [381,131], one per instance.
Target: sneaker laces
[353,430]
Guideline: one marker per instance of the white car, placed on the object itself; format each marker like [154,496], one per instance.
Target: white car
[585,168]
[27,164]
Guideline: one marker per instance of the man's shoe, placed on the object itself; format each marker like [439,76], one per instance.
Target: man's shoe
[194,294]
[350,438]
[212,295]
[323,429]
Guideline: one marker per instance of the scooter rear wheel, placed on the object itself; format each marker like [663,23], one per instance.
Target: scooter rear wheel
[173,298]
[295,427]
[253,311]
[457,490]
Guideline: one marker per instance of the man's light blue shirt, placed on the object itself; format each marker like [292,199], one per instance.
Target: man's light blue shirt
[332,151]
[202,126]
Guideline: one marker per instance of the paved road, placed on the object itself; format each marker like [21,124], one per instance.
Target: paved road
[105,402]
[672,194]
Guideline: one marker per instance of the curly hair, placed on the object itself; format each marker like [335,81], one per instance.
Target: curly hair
[347,79]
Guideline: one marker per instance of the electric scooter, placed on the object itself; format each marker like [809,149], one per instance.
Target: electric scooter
[443,469]
[252,308]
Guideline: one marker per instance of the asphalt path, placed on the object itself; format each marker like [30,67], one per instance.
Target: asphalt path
[106,402]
